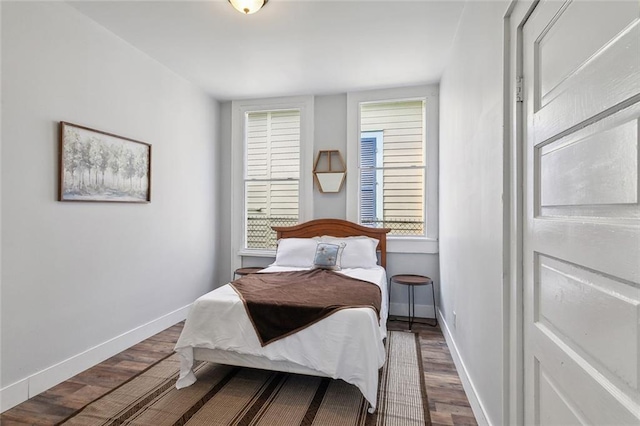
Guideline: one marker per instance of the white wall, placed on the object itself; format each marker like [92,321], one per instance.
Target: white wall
[471,210]
[330,132]
[82,281]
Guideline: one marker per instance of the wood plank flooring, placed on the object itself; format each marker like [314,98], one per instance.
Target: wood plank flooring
[447,400]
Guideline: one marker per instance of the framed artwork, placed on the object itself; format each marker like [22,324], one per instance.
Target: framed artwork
[100,166]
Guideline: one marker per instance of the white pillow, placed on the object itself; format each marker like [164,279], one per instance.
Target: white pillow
[296,252]
[359,252]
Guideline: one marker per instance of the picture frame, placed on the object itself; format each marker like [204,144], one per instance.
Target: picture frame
[97,166]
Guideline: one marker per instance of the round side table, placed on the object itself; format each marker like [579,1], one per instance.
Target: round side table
[411,281]
[241,272]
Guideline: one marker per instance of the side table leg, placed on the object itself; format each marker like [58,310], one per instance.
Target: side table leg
[412,308]
[435,314]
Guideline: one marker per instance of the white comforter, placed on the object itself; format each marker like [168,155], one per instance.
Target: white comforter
[346,345]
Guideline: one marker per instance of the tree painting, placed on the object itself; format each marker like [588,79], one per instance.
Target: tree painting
[97,166]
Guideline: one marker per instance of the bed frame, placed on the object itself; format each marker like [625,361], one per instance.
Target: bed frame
[315,228]
[336,228]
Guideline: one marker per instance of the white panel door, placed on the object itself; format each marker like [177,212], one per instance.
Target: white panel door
[582,225]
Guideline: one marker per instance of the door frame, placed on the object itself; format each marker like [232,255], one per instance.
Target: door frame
[515,17]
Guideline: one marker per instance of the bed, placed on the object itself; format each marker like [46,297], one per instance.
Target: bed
[347,344]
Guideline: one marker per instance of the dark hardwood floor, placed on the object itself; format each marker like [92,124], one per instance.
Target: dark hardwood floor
[447,400]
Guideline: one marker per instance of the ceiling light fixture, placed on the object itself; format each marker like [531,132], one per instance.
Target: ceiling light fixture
[248,6]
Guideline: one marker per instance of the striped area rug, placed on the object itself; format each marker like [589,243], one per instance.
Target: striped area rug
[226,395]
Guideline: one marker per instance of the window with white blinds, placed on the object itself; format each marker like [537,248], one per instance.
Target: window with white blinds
[271,163]
[272,174]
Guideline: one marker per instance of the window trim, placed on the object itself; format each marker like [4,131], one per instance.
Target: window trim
[398,244]
[239,109]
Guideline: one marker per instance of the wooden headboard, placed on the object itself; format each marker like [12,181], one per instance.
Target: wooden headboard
[335,228]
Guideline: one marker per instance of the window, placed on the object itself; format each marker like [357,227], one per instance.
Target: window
[392,166]
[392,148]
[271,182]
[272,174]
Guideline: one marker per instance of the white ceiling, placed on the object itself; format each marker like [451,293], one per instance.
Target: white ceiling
[289,47]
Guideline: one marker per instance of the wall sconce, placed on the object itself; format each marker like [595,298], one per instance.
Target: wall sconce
[329,179]
[248,6]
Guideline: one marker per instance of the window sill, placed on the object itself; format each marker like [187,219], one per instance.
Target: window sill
[412,245]
[257,252]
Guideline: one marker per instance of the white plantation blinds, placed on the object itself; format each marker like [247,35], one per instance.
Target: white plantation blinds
[272,174]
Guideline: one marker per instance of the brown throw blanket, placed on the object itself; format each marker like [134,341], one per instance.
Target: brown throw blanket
[282,303]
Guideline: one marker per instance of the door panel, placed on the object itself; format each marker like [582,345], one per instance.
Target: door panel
[584,389]
[569,42]
[568,103]
[569,296]
[582,226]
[585,171]
[554,404]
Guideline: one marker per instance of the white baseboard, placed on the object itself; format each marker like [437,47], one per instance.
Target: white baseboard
[14,394]
[401,309]
[478,409]
[30,386]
